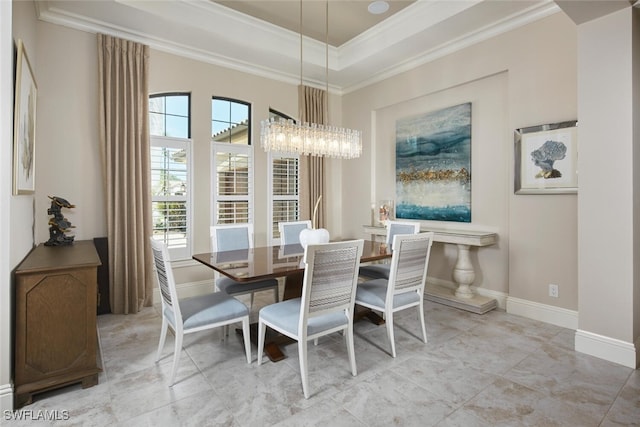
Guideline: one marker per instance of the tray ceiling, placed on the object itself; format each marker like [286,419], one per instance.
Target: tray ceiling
[262,37]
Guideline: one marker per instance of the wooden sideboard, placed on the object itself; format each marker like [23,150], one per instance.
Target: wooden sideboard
[55,326]
[463,272]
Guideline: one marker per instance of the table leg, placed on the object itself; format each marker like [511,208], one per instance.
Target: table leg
[293,285]
[273,342]
[463,273]
[361,312]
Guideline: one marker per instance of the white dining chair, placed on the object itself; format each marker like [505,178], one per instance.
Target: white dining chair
[290,231]
[326,305]
[193,314]
[235,237]
[405,287]
[381,270]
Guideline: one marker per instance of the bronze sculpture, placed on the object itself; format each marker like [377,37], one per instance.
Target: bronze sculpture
[58,225]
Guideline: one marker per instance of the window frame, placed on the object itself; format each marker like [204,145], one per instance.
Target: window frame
[179,253]
[166,94]
[272,198]
[223,147]
[232,148]
[185,252]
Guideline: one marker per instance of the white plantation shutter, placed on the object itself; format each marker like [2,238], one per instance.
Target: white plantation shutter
[233,184]
[284,189]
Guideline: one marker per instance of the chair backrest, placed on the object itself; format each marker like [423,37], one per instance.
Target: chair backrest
[400,227]
[231,237]
[409,263]
[290,231]
[166,281]
[330,278]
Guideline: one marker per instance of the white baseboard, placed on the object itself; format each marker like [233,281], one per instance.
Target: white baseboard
[545,313]
[6,397]
[500,297]
[611,349]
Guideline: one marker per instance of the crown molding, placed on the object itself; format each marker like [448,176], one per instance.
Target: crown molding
[509,23]
[209,32]
[405,24]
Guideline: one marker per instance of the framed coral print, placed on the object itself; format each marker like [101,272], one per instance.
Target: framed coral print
[24,125]
[546,159]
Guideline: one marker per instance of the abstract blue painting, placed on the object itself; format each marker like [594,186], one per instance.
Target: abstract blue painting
[433,165]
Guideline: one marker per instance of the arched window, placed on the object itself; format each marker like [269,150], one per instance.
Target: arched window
[232,161]
[170,129]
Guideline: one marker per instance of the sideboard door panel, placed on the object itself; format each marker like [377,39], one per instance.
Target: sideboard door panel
[56,337]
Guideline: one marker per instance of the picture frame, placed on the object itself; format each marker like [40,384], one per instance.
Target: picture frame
[546,159]
[24,126]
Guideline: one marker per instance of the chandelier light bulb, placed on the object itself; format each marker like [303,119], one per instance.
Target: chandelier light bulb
[286,136]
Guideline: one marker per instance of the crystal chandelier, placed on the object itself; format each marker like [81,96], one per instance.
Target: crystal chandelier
[286,136]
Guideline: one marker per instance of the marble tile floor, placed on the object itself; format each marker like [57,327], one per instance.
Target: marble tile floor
[495,369]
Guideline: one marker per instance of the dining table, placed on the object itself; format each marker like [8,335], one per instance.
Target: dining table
[280,261]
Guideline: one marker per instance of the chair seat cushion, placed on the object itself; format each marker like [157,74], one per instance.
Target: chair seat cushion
[374,293]
[232,287]
[285,315]
[210,308]
[375,271]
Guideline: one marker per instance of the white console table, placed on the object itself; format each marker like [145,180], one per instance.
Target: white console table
[463,273]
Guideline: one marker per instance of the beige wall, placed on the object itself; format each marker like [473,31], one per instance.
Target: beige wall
[6,264]
[523,78]
[636,178]
[67,158]
[19,18]
[68,155]
[21,232]
[607,267]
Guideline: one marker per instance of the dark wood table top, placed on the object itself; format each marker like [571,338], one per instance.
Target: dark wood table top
[273,261]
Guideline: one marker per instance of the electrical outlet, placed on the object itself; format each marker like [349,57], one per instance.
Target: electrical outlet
[553,291]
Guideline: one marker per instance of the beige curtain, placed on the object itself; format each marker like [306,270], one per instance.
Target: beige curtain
[313,108]
[123,68]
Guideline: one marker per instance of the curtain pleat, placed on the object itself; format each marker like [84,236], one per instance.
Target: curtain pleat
[313,109]
[124,144]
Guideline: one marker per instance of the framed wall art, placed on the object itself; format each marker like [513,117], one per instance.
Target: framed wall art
[546,159]
[24,126]
[433,165]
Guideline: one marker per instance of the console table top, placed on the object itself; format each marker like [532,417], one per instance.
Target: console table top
[469,237]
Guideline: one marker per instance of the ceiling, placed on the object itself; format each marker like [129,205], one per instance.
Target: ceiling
[262,37]
[347,19]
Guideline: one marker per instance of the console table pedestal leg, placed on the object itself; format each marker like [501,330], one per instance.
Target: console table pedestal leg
[463,296]
[463,273]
